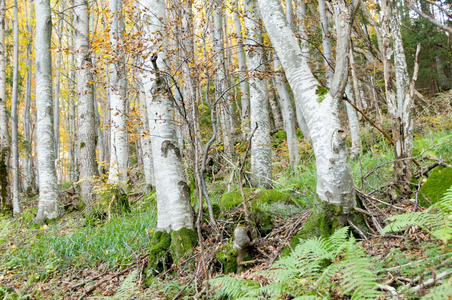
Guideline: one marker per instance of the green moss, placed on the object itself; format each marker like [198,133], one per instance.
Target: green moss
[182,242]
[262,219]
[439,180]
[279,137]
[159,258]
[227,257]
[257,196]
[324,220]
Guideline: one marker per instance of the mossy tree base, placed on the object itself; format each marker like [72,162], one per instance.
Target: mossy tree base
[167,248]
[325,218]
[182,242]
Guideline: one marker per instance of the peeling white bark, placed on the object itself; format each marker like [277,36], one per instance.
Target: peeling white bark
[261,167]
[173,194]
[334,178]
[48,191]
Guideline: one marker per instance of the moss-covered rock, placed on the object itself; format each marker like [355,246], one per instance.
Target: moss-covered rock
[439,180]
[227,257]
[182,242]
[256,196]
[159,258]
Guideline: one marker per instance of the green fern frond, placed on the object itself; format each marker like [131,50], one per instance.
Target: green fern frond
[437,220]
[442,292]
[230,286]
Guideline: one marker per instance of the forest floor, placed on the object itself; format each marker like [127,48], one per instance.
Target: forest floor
[103,255]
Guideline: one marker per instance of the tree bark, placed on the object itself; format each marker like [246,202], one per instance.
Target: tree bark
[173,194]
[27,161]
[398,98]
[288,114]
[86,119]
[6,205]
[48,191]
[334,177]
[119,153]
[261,167]
[244,90]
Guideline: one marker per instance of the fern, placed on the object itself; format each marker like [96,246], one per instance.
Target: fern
[441,292]
[307,273]
[436,220]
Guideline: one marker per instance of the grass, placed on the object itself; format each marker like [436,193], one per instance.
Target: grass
[49,248]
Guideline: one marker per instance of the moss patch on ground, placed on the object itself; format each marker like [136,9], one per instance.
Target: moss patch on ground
[227,257]
[182,242]
[256,196]
[439,180]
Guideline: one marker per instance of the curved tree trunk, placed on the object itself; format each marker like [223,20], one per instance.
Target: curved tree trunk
[48,190]
[86,122]
[261,167]
[334,177]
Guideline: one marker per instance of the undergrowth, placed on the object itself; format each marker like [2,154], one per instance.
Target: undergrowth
[314,269]
[111,244]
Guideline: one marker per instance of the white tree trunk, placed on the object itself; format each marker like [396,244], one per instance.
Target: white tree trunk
[334,178]
[244,90]
[86,122]
[119,152]
[326,43]
[48,191]
[56,106]
[14,114]
[398,98]
[288,115]
[357,147]
[27,161]
[6,207]
[221,80]
[261,165]
[145,140]
[173,194]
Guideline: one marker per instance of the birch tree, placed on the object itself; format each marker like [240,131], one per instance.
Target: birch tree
[48,194]
[173,194]
[241,60]
[14,114]
[27,161]
[118,99]
[398,96]
[6,207]
[261,167]
[86,120]
[334,177]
